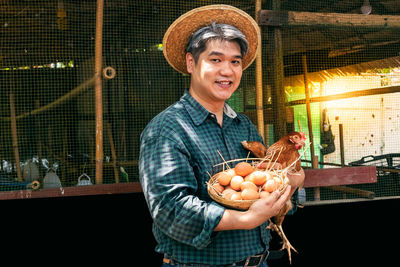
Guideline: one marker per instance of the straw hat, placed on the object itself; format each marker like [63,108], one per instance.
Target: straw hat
[178,34]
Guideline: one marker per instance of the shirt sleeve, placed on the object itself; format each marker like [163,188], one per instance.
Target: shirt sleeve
[169,185]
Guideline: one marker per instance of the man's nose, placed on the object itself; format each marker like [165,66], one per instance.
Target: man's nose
[226,68]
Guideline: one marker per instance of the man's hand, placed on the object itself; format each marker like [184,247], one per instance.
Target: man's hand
[258,213]
[264,209]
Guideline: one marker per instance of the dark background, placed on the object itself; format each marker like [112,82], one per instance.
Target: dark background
[116,230]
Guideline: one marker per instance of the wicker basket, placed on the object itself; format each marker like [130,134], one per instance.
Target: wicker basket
[234,204]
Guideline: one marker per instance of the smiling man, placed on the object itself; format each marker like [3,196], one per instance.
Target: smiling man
[181,146]
[216,72]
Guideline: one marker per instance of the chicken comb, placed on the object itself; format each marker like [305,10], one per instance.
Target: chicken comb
[303,135]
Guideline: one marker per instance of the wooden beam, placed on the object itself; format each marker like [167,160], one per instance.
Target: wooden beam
[88,190]
[337,20]
[375,91]
[340,176]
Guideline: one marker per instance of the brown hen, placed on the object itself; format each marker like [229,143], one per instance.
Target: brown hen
[285,152]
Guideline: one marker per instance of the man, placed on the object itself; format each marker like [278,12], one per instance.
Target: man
[180,146]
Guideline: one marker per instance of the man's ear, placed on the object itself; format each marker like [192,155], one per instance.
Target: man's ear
[189,62]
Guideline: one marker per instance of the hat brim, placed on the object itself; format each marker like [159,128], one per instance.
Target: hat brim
[177,36]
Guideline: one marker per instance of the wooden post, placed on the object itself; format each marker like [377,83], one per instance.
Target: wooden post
[98,91]
[314,159]
[113,153]
[275,58]
[15,136]
[341,144]
[259,84]
[308,108]
[39,139]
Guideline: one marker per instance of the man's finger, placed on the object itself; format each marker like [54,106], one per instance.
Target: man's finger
[282,199]
[276,195]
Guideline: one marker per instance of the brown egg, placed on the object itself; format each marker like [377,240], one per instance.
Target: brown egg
[259,177]
[219,188]
[248,185]
[227,193]
[249,178]
[236,196]
[243,169]
[236,182]
[231,172]
[249,194]
[270,186]
[268,175]
[223,178]
[278,180]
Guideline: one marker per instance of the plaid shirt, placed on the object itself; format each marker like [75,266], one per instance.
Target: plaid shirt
[177,153]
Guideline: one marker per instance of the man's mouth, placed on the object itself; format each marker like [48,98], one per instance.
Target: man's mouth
[224,83]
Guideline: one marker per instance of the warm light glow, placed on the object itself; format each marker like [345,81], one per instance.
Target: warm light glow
[345,84]
[371,124]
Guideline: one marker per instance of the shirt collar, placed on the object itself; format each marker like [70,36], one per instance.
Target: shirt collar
[198,113]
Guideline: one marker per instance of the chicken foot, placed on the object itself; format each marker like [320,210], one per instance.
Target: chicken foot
[286,243]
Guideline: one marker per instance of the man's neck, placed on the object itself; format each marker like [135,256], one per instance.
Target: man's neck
[216,108]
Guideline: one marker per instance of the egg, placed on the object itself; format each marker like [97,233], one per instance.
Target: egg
[249,194]
[231,172]
[227,193]
[236,196]
[243,169]
[248,185]
[268,175]
[259,177]
[236,182]
[249,178]
[278,180]
[223,178]
[270,186]
[219,188]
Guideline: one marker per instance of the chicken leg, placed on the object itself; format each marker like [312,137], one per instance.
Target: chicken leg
[276,225]
[286,243]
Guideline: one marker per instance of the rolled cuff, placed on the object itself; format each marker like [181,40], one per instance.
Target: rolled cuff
[213,215]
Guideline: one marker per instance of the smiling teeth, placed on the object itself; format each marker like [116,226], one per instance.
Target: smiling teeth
[224,82]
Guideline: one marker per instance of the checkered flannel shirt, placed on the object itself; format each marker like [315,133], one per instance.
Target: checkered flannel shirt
[178,151]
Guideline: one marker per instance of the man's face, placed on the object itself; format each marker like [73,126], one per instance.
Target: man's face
[218,71]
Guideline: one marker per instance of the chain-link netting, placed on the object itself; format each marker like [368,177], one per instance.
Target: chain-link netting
[47,117]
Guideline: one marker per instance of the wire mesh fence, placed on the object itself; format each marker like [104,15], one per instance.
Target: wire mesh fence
[47,115]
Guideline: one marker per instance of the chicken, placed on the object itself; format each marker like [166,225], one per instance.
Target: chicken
[285,152]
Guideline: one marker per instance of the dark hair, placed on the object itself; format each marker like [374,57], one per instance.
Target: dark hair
[199,39]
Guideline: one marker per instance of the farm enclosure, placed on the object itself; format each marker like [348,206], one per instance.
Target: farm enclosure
[47,70]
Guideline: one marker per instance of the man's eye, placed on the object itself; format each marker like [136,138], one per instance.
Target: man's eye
[236,62]
[215,60]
